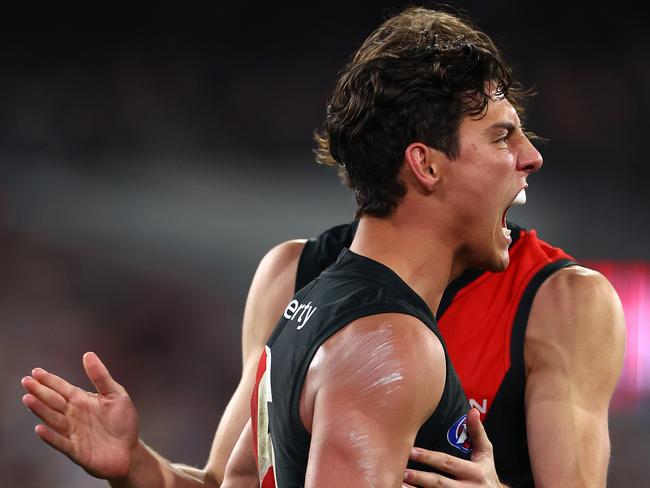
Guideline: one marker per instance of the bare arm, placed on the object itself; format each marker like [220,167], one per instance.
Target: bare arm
[270,291]
[369,389]
[241,471]
[574,348]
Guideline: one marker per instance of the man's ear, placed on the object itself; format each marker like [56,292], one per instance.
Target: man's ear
[422,162]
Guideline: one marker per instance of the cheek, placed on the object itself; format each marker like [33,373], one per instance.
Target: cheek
[497,173]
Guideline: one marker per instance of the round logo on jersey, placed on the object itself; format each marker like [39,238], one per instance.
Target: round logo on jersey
[458,436]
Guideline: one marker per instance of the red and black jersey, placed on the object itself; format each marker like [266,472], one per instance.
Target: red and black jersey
[482,317]
[353,287]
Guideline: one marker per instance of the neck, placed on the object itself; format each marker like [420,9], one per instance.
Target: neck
[423,258]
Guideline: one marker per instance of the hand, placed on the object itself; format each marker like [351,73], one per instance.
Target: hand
[478,472]
[98,431]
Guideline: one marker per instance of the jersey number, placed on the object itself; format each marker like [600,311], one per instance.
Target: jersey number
[260,419]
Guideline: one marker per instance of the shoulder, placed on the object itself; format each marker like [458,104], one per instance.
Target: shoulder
[405,333]
[381,351]
[278,268]
[575,292]
[284,254]
[270,291]
[576,322]
[580,279]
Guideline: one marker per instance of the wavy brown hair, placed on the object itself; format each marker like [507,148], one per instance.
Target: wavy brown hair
[413,79]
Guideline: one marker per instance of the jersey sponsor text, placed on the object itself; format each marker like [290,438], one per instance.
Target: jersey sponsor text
[299,311]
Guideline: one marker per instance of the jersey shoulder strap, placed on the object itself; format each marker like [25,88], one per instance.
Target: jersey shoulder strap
[320,252]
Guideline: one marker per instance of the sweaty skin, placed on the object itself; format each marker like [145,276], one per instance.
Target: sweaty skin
[412,350]
[390,361]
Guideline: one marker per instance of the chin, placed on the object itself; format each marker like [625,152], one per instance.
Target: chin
[499,256]
[501,263]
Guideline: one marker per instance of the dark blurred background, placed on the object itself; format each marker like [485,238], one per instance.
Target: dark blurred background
[149,158]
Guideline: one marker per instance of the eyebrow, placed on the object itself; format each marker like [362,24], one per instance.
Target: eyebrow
[508,126]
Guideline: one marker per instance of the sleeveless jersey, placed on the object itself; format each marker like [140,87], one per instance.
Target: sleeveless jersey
[482,317]
[353,287]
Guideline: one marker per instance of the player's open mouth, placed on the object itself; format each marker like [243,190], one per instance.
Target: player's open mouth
[520,199]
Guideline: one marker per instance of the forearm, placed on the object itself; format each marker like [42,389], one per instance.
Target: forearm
[232,423]
[151,470]
[199,474]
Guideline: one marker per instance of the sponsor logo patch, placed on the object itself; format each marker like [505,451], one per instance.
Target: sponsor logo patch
[458,436]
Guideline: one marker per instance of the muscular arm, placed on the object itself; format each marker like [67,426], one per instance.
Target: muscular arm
[574,348]
[271,289]
[369,389]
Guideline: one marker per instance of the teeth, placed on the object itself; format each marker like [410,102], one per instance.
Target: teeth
[506,232]
[520,199]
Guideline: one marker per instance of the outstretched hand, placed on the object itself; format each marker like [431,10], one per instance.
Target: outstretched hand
[477,472]
[98,431]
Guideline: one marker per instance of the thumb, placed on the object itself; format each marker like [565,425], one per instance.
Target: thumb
[99,375]
[480,442]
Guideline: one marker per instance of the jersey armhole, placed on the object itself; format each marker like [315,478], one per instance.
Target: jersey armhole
[308,256]
[506,420]
[523,312]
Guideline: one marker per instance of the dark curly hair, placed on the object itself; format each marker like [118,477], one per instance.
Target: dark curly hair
[413,79]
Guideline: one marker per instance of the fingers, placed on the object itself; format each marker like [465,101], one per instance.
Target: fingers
[51,417]
[54,439]
[99,375]
[428,480]
[53,382]
[481,445]
[479,470]
[457,467]
[50,397]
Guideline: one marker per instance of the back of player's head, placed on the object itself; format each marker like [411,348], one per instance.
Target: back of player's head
[413,79]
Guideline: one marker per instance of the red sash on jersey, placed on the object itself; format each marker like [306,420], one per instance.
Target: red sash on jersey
[477,326]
